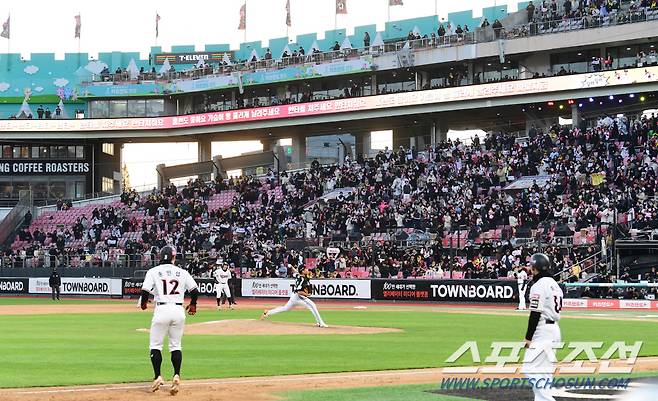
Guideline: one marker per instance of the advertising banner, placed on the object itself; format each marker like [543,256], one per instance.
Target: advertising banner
[133,287]
[44,167]
[13,285]
[445,290]
[434,96]
[191,57]
[78,286]
[282,288]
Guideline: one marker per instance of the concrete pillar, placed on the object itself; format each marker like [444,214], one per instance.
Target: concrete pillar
[575,116]
[217,169]
[269,143]
[162,182]
[298,156]
[373,84]
[413,142]
[204,151]
[363,142]
[438,132]
[234,100]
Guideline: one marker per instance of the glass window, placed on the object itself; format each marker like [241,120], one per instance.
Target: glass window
[136,108]
[70,153]
[79,189]
[61,152]
[35,152]
[44,152]
[40,189]
[80,152]
[154,107]
[6,152]
[57,189]
[25,152]
[118,108]
[17,152]
[107,184]
[108,148]
[99,109]
[6,189]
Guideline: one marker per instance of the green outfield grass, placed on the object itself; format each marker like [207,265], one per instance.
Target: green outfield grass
[65,349]
[388,393]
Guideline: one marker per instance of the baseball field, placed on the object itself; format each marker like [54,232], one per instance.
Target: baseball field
[98,350]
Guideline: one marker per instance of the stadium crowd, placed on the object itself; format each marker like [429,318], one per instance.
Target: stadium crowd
[438,213]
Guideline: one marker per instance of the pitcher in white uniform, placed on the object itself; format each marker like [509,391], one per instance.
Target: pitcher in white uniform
[222,276]
[168,284]
[543,332]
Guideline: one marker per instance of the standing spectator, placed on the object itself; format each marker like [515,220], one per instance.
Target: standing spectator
[40,112]
[497,27]
[531,11]
[366,40]
[55,281]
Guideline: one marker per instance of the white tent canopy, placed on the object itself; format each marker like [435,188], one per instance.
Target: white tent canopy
[254,55]
[314,46]
[132,69]
[285,49]
[346,44]
[63,113]
[25,111]
[226,59]
[378,40]
[166,66]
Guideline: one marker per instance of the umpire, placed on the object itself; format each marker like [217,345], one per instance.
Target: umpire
[55,281]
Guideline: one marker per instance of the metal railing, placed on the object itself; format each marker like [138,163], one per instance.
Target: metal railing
[449,39]
[16,215]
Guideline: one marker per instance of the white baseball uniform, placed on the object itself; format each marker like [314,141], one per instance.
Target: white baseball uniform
[299,300]
[168,284]
[221,282]
[539,361]
[521,282]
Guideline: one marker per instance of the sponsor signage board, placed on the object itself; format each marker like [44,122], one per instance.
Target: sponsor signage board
[282,288]
[445,290]
[13,285]
[44,167]
[77,286]
[133,286]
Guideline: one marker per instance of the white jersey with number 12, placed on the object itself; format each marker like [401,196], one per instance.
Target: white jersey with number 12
[168,283]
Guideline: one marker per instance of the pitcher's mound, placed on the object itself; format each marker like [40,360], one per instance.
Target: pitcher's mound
[259,328]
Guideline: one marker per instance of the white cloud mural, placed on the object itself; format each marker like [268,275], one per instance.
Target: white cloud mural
[61,82]
[4,86]
[38,89]
[31,69]
[95,67]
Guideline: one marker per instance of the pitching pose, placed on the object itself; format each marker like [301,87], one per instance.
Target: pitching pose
[300,296]
[222,276]
[168,284]
[543,331]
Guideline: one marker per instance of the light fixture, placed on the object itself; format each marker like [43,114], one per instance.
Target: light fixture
[641,98]
[611,97]
[620,100]
[561,106]
[580,54]
[632,95]
[600,103]
[539,108]
[628,49]
[550,103]
[580,105]
[591,100]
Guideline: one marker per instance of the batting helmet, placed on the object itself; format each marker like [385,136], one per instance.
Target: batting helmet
[167,254]
[541,262]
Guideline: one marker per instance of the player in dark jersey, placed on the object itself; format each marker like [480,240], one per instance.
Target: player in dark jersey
[301,291]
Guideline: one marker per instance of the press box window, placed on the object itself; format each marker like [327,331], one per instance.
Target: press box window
[107,184]
[108,148]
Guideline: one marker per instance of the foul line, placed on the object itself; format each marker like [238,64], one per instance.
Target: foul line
[282,379]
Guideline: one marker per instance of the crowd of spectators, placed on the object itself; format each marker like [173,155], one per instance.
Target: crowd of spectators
[370,209]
